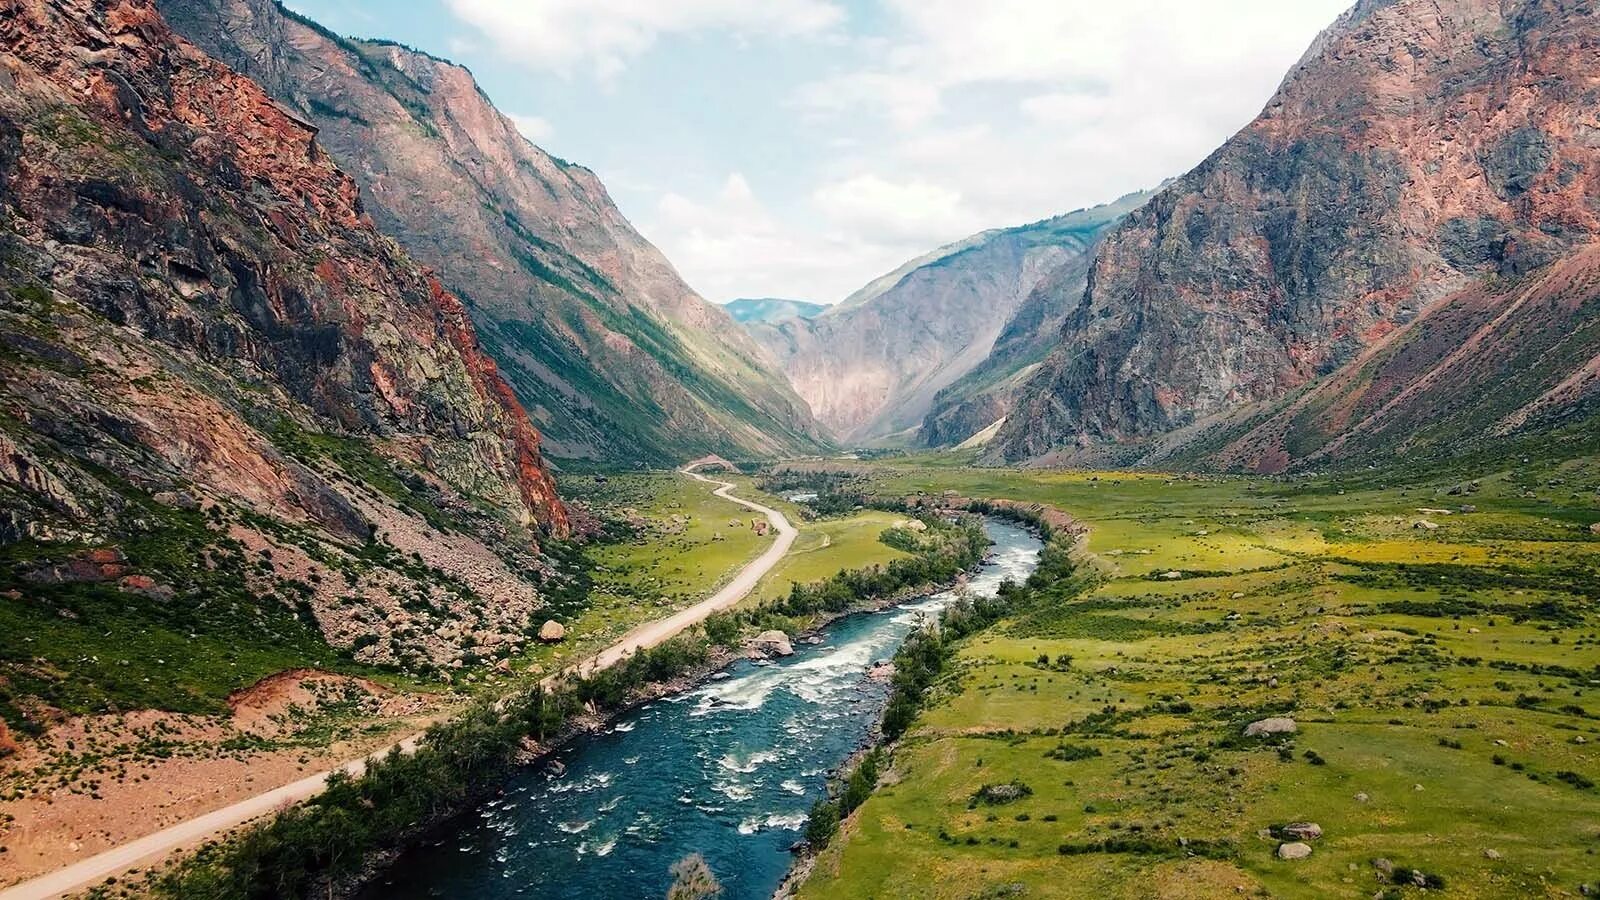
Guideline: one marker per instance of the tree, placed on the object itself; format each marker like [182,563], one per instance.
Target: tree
[692,879]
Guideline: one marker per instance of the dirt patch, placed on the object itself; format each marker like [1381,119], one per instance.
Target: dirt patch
[272,706]
[91,783]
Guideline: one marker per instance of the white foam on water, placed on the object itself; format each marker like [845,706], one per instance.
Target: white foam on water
[734,790]
[624,727]
[790,821]
[605,847]
[609,805]
[575,827]
[749,826]
[793,787]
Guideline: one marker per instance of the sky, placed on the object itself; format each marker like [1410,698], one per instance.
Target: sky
[800,148]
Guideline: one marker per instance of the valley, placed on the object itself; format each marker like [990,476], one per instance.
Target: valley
[384,514]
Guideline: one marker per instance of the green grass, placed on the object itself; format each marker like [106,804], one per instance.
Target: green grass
[651,571]
[1462,660]
[828,546]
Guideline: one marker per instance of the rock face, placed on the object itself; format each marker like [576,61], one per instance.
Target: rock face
[983,397]
[207,342]
[612,353]
[1499,360]
[1270,726]
[1419,148]
[871,366]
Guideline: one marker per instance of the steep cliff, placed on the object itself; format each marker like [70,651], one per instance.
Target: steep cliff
[236,421]
[616,357]
[1419,147]
[980,399]
[1502,359]
[872,366]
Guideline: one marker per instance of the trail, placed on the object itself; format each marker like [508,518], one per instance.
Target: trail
[152,848]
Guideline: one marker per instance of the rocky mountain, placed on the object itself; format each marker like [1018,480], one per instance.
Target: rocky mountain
[236,421]
[1504,358]
[1421,153]
[974,406]
[614,356]
[872,366]
[771,309]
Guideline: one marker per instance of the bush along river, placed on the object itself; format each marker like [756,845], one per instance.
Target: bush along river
[728,770]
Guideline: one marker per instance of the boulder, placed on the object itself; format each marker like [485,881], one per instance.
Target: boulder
[1270,726]
[1294,850]
[552,631]
[1595,528]
[1425,525]
[1302,831]
[8,746]
[772,643]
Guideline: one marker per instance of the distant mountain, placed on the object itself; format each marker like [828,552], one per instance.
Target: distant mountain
[872,366]
[771,309]
[1422,162]
[615,357]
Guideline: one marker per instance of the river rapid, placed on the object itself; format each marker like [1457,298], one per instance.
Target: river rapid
[728,770]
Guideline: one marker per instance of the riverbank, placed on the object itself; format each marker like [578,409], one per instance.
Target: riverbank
[726,768]
[322,842]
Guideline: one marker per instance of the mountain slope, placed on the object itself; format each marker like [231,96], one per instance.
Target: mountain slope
[1418,147]
[771,309]
[981,398]
[871,366]
[238,426]
[616,357]
[1504,357]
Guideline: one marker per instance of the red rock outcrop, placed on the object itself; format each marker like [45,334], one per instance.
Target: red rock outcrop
[204,332]
[1418,147]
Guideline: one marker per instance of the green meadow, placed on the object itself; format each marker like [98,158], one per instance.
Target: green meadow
[1444,682]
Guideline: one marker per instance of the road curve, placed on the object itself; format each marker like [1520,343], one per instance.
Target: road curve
[152,848]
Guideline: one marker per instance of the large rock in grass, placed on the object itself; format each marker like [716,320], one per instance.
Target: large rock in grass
[1294,850]
[772,643]
[552,631]
[1271,726]
[1302,831]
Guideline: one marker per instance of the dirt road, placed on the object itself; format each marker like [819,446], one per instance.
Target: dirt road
[154,847]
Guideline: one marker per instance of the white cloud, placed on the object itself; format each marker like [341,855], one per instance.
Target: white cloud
[912,210]
[731,245]
[563,35]
[536,129]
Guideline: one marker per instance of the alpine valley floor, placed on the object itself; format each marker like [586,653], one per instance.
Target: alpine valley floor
[1434,638]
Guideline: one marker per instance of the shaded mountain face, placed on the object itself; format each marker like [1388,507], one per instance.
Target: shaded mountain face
[979,400]
[771,309]
[872,366]
[1502,359]
[224,395]
[614,356]
[1418,148]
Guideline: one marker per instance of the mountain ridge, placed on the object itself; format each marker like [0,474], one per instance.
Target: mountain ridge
[1416,148]
[615,356]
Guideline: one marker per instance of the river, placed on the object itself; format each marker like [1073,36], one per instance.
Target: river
[728,769]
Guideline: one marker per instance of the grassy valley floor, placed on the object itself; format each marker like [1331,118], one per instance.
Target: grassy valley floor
[1435,641]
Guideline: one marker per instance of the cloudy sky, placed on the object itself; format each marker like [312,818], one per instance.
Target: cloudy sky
[799,148]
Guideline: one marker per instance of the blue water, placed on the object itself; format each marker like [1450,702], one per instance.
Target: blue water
[727,770]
